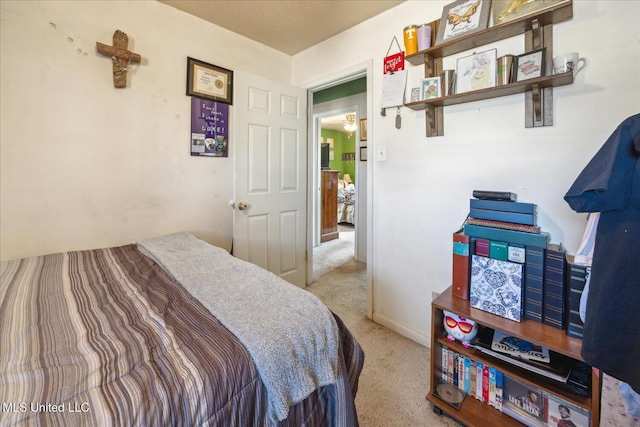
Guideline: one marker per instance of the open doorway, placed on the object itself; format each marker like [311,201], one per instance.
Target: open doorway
[336,137]
[337,143]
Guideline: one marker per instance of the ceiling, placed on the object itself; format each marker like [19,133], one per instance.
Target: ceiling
[334,122]
[289,26]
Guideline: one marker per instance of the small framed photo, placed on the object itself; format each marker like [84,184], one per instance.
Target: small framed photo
[430,88]
[530,65]
[415,94]
[207,81]
[363,154]
[363,129]
[463,17]
[477,71]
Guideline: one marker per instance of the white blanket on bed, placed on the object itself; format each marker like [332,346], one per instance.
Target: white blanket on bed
[291,336]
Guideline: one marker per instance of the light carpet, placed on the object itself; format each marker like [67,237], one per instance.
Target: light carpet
[395,376]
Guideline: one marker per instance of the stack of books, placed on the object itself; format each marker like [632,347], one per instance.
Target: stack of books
[501,230]
[504,264]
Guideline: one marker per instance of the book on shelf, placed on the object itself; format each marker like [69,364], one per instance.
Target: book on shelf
[533,282]
[482,247]
[460,359]
[461,265]
[511,236]
[479,371]
[559,412]
[495,195]
[499,389]
[578,275]
[508,220]
[558,369]
[516,253]
[555,271]
[492,386]
[499,250]
[517,414]
[485,383]
[445,364]
[516,347]
[496,287]
[524,398]
[467,375]
[503,206]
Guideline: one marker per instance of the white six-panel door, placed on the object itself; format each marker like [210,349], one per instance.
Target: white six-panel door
[270,176]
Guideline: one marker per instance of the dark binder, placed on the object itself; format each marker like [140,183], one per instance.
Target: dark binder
[577,281]
[555,270]
[533,283]
[461,261]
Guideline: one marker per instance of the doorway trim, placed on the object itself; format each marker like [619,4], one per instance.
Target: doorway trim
[364,69]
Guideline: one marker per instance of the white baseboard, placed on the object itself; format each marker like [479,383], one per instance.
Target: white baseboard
[404,331]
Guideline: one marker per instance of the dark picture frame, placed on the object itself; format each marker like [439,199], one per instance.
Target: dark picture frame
[463,17]
[363,154]
[208,81]
[530,65]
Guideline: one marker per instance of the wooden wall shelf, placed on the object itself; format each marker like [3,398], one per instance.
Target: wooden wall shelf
[496,92]
[554,15]
[538,31]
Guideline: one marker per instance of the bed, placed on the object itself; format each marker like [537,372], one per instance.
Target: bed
[168,331]
[347,204]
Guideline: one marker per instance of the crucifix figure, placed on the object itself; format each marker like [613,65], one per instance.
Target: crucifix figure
[120,56]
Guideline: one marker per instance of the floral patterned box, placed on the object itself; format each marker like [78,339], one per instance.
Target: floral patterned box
[496,287]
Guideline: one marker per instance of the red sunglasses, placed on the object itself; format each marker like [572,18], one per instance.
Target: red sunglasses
[465,327]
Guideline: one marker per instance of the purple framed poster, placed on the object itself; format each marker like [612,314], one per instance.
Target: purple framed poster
[209,128]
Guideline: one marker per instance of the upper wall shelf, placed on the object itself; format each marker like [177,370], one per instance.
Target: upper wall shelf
[560,13]
[537,29]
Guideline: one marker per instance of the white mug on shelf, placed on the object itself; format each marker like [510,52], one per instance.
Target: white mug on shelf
[568,62]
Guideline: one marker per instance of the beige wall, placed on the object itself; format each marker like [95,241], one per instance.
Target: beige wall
[85,165]
[420,195]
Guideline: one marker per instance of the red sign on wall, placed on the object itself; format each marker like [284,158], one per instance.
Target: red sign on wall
[394,63]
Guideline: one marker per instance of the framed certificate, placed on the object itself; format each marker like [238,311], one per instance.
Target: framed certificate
[209,81]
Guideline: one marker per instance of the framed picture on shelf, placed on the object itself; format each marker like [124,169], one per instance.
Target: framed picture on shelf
[430,88]
[477,71]
[508,10]
[207,81]
[415,94]
[463,17]
[530,65]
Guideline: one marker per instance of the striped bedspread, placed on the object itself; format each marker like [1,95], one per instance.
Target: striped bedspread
[108,337]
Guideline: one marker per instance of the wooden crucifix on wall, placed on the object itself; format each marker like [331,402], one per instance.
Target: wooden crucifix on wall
[120,56]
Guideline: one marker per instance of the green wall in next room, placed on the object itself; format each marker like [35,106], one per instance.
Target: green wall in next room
[342,143]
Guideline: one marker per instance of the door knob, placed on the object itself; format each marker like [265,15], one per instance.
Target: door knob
[243,206]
